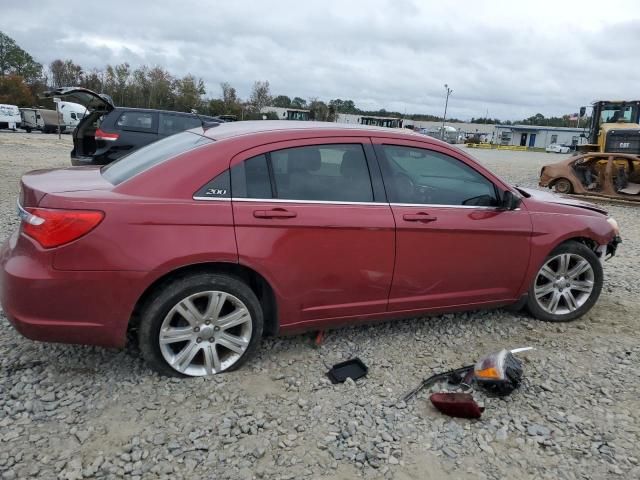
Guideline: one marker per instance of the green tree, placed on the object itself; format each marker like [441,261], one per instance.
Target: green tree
[188,93]
[281,101]
[318,110]
[160,88]
[7,47]
[215,107]
[93,80]
[344,106]
[232,105]
[15,61]
[298,102]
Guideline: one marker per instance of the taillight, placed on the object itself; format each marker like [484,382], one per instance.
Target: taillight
[52,227]
[109,136]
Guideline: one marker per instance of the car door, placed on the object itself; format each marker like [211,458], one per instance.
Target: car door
[309,218]
[455,246]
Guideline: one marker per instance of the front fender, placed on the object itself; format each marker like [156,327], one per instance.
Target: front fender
[553,229]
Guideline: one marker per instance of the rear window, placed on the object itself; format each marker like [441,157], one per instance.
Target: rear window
[151,155]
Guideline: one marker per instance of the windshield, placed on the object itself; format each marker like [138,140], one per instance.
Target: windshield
[151,155]
[612,113]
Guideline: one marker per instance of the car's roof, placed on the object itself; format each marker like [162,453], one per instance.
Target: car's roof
[152,110]
[236,129]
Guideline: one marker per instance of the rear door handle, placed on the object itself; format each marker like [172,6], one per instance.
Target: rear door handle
[275,213]
[419,217]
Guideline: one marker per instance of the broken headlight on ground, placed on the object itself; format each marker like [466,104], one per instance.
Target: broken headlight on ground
[499,373]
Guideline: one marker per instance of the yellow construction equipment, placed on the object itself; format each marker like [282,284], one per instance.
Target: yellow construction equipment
[615,127]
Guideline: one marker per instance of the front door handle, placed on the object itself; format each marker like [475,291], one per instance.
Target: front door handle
[419,217]
[274,213]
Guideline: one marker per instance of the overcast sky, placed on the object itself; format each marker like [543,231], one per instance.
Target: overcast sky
[511,59]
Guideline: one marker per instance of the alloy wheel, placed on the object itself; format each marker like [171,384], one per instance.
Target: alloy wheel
[564,283]
[205,333]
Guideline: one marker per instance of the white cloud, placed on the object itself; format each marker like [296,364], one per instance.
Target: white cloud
[512,59]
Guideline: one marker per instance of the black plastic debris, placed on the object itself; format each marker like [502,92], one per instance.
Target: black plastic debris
[353,369]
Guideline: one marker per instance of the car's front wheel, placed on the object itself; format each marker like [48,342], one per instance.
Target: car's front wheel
[567,285]
[200,325]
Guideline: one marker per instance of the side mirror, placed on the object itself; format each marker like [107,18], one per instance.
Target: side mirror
[583,110]
[509,201]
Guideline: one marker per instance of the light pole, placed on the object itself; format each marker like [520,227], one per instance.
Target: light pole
[446,103]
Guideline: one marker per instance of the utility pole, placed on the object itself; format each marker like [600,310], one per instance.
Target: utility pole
[446,103]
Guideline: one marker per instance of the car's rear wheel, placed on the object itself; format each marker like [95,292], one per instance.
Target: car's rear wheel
[567,285]
[562,185]
[201,325]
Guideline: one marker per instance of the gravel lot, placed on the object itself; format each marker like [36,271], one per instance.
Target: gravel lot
[76,412]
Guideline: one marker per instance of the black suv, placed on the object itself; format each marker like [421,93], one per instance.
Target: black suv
[107,132]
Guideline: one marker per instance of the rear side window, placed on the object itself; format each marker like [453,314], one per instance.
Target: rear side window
[250,179]
[322,173]
[151,155]
[331,173]
[131,120]
[171,123]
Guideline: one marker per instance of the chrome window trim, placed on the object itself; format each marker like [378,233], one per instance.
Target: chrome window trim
[215,199]
[335,202]
[315,202]
[441,205]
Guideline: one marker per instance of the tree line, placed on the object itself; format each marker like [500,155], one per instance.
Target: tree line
[23,79]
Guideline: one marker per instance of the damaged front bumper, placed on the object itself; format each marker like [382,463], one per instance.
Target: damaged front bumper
[606,252]
[613,246]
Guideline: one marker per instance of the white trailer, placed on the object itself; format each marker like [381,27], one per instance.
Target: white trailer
[9,116]
[41,119]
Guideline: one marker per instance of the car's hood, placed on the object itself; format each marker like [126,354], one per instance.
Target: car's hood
[550,197]
[89,99]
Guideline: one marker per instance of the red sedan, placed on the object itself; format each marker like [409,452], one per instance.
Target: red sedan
[207,240]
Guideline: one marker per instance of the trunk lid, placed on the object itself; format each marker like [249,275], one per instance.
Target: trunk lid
[38,183]
[89,99]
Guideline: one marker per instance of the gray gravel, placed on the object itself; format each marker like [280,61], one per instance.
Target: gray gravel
[74,412]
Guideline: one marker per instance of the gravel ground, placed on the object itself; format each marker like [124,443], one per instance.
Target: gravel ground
[76,412]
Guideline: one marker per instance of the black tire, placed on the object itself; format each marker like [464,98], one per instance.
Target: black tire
[585,253]
[169,294]
[28,129]
[563,186]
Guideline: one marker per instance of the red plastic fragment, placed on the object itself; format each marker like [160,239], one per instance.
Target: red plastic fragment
[455,404]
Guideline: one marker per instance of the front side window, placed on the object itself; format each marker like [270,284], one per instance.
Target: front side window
[420,176]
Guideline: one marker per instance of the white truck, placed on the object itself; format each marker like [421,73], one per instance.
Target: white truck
[72,113]
[9,116]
